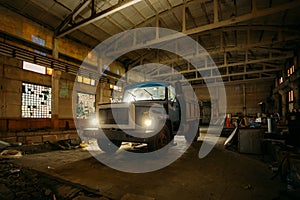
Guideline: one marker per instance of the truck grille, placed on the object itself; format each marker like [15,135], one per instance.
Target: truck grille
[114,116]
[119,115]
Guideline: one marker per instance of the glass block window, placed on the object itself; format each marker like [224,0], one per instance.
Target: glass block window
[291,96]
[34,67]
[291,70]
[281,80]
[36,101]
[37,68]
[85,80]
[39,41]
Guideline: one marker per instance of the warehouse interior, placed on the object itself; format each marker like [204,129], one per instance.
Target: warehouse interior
[252,47]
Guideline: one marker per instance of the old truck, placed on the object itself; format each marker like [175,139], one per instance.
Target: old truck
[151,113]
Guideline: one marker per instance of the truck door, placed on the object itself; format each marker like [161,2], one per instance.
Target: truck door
[173,108]
[206,112]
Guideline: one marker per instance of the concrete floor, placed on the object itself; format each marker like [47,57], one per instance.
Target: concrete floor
[222,174]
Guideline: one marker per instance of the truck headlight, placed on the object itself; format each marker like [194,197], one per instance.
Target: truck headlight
[147,122]
[94,121]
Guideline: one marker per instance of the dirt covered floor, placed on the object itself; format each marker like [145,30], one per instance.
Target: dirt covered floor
[18,182]
[223,174]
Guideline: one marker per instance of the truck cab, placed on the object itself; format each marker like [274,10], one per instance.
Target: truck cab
[149,113]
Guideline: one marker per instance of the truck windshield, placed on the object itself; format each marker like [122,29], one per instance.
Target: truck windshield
[144,93]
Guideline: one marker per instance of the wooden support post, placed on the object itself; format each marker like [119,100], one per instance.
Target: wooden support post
[183,18]
[216,14]
[55,100]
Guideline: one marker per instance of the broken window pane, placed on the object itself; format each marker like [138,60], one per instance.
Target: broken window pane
[85,105]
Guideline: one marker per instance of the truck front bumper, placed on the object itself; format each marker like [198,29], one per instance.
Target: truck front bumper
[119,135]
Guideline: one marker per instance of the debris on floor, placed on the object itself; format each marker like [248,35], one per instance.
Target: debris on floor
[287,168]
[10,153]
[248,187]
[230,138]
[3,144]
[130,196]
[24,183]
[83,145]
[66,144]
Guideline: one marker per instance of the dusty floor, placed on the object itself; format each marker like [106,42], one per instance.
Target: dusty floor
[222,174]
[27,184]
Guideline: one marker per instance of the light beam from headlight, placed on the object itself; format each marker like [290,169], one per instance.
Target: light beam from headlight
[147,122]
[94,121]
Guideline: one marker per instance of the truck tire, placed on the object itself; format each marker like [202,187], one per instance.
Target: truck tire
[160,140]
[109,147]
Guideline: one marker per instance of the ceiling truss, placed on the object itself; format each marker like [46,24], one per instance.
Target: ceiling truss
[234,33]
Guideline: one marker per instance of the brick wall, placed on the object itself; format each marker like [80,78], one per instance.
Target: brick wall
[255,92]
[38,137]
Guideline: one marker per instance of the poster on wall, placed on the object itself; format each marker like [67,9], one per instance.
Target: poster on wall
[64,90]
[85,105]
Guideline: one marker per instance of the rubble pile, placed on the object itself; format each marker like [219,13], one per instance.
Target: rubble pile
[23,183]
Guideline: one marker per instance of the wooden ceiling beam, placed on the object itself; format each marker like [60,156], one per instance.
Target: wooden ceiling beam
[252,15]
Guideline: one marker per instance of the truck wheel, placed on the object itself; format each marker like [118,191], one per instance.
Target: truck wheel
[160,140]
[109,147]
